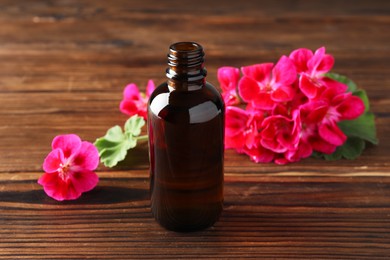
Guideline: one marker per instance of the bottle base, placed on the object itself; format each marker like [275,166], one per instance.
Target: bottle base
[188,221]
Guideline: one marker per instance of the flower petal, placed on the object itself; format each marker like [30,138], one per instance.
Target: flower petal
[248,89]
[260,154]
[87,157]
[264,101]
[230,98]
[84,181]
[228,78]
[131,92]
[273,145]
[258,72]
[313,63]
[150,88]
[284,72]
[235,125]
[300,57]
[281,109]
[128,107]
[351,108]
[322,146]
[307,87]
[287,140]
[57,188]
[69,144]
[236,120]
[326,64]
[235,142]
[320,63]
[53,160]
[337,87]
[316,111]
[332,134]
[304,150]
[283,94]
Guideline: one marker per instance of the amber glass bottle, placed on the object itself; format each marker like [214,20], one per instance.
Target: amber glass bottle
[186,136]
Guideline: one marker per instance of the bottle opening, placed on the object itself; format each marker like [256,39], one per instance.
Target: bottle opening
[185,47]
[185,66]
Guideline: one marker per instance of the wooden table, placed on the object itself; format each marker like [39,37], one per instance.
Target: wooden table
[63,66]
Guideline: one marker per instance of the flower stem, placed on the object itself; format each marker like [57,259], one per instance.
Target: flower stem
[142,138]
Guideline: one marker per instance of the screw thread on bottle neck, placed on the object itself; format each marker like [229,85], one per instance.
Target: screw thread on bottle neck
[186,66]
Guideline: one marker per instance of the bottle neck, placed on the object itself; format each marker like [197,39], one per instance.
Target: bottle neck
[186,70]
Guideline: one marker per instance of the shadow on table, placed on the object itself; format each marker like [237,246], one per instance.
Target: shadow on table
[100,195]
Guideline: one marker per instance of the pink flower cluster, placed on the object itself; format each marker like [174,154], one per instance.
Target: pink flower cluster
[292,108]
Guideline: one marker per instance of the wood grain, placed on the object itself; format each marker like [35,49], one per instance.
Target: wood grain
[63,66]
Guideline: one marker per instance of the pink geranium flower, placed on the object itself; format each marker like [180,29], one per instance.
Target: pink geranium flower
[134,102]
[242,129]
[323,114]
[69,168]
[228,79]
[312,68]
[280,133]
[264,85]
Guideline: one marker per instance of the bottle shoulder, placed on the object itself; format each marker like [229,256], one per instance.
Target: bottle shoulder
[194,106]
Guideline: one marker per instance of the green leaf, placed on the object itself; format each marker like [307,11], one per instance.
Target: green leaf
[352,148]
[134,124]
[362,127]
[114,145]
[317,155]
[112,155]
[352,87]
[114,134]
